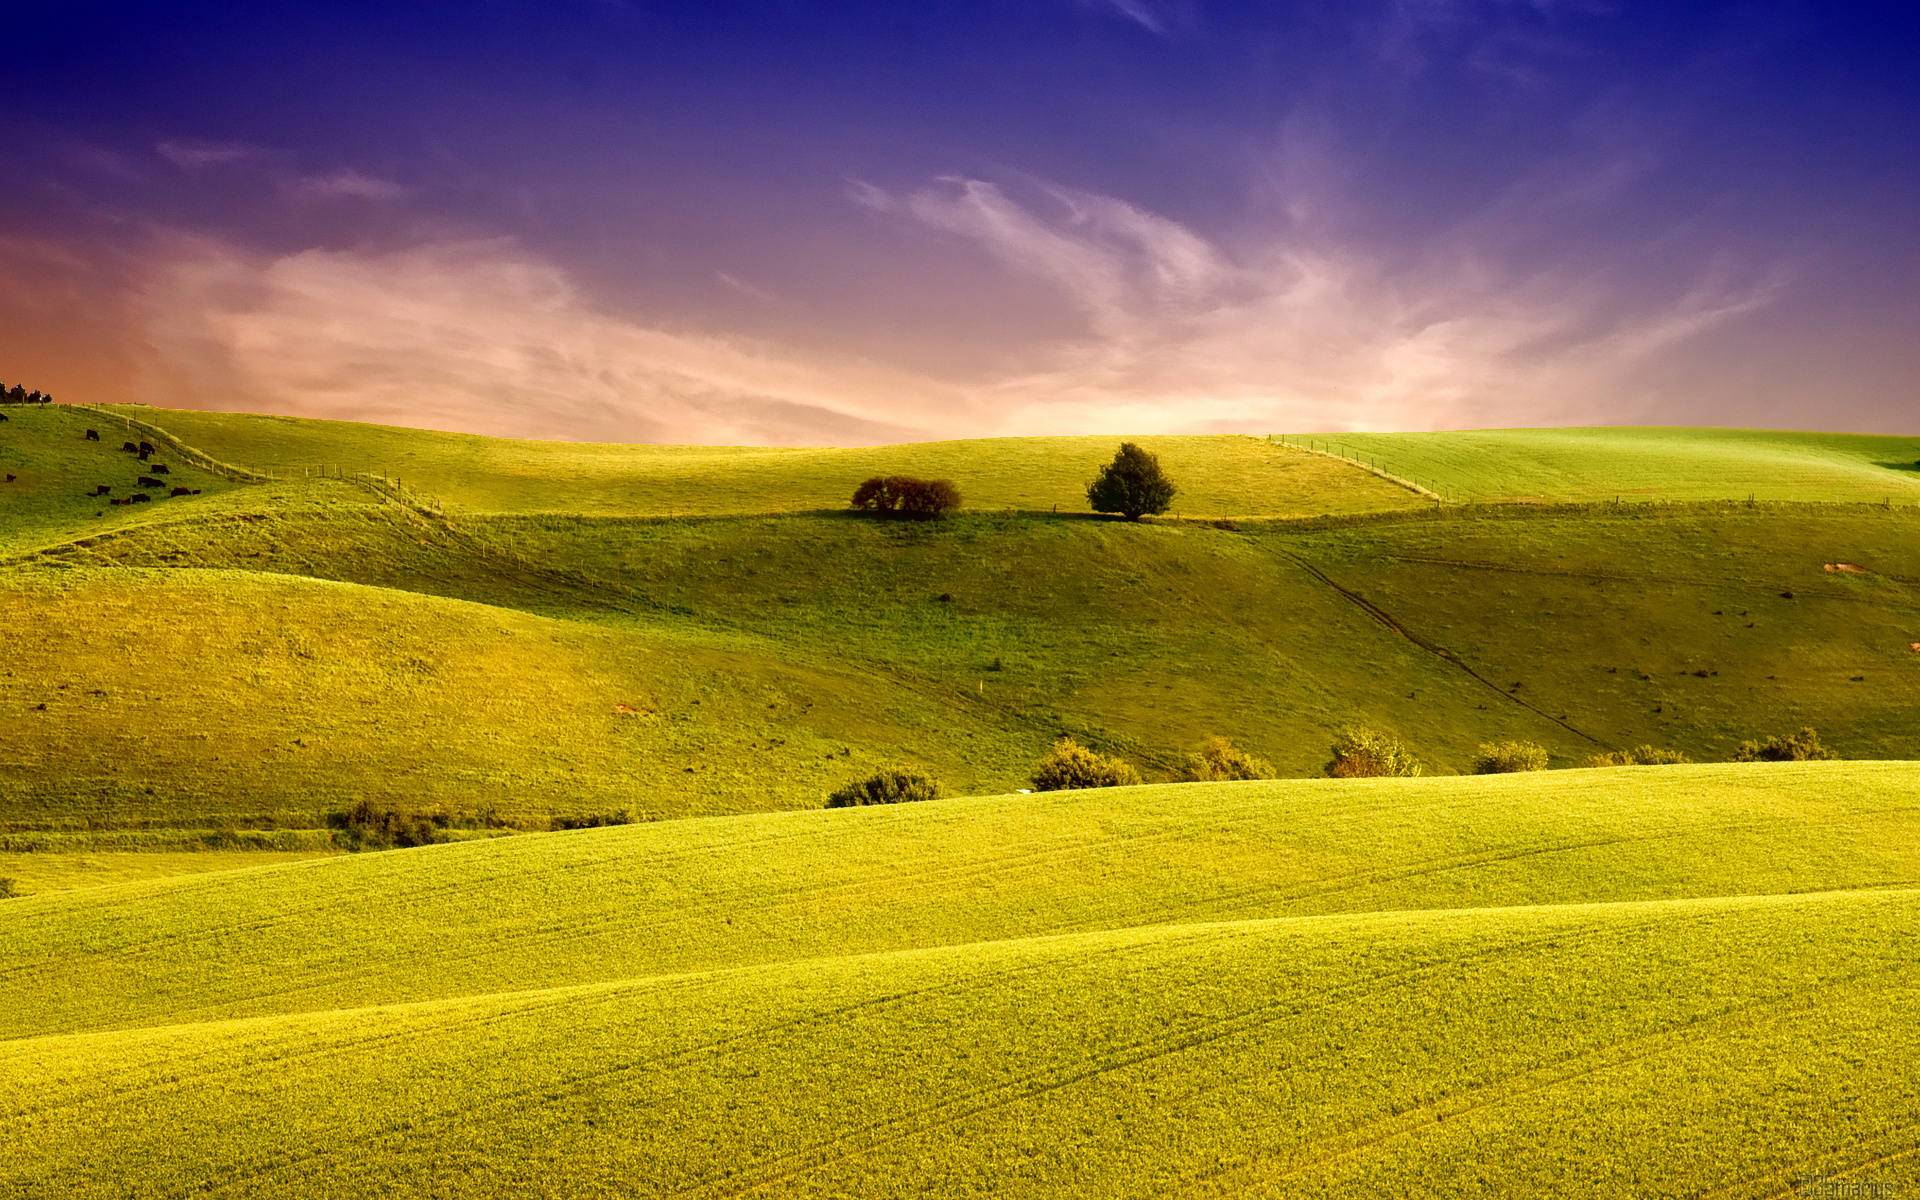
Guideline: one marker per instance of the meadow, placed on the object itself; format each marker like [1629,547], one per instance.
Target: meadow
[1259,989]
[1621,982]
[1624,463]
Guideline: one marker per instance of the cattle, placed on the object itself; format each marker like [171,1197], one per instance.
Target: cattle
[93,435]
[138,498]
[3,418]
[149,481]
[11,476]
[146,448]
[180,491]
[129,447]
[117,501]
[159,469]
[101,489]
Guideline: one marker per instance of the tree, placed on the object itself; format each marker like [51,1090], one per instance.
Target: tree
[1507,758]
[1361,753]
[905,496]
[889,785]
[1792,747]
[1070,765]
[1639,756]
[1219,760]
[1132,485]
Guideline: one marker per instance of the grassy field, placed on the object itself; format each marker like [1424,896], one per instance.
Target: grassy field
[1219,476]
[1597,465]
[1669,981]
[1676,980]
[534,665]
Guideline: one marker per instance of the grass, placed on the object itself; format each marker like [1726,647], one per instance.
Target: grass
[1675,980]
[1219,476]
[1668,980]
[538,664]
[56,469]
[558,910]
[1598,465]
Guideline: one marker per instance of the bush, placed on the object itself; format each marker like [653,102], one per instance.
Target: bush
[1794,747]
[1132,485]
[1361,753]
[905,496]
[371,826]
[1219,760]
[1639,756]
[1069,765]
[8,888]
[563,821]
[893,785]
[1508,758]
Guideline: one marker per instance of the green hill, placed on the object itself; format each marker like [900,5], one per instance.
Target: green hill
[1219,476]
[505,667]
[1592,981]
[1595,465]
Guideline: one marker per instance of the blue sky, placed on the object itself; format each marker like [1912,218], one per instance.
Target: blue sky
[788,222]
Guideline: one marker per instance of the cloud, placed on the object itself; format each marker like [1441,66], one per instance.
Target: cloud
[1156,18]
[483,335]
[1307,328]
[346,184]
[751,290]
[194,155]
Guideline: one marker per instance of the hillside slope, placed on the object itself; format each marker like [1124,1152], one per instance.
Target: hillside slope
[1609,983]
[1598,465]
[590,906]
[1219,476]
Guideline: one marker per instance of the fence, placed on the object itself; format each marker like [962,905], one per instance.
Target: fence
[1367,461]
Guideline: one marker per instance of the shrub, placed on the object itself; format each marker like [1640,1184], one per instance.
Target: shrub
[892,785]
[371,826]
[561,821]
[1219,760]
[1639,756]
[1070,765]
[905,496]
[1361,753]
[1793,747]
[1507,758]
[8,888]
[1132,485]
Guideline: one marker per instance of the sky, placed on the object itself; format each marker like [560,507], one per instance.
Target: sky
[777,222]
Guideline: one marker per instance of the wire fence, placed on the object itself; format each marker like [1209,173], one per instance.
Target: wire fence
[1370,461]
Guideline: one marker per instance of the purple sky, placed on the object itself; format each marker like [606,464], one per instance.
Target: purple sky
[789,222]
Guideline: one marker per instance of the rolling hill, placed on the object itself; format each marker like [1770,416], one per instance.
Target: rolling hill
[1592,981]
[508,665]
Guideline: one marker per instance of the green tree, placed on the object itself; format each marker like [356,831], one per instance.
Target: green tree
[1132,485]
[1070,765]
[1361,753]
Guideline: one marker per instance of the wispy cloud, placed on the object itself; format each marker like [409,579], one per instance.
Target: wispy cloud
[346,184]
[196,155]
[1159,17]
[1309,329]
[483,335]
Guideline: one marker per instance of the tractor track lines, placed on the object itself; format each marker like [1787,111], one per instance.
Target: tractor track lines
[1382,617]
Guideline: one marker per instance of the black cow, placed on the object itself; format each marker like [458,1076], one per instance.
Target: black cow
[116,501]
[3,417]
[149,481]
[101,489]
[129,447]
[146,448]
[11,477]
[180,491]
[138,498]
[93,435]
[159,469]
